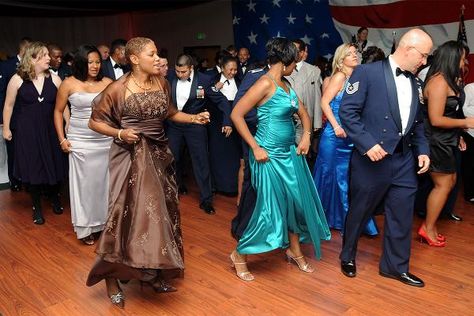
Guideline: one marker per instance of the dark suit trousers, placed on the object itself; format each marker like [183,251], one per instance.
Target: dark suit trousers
[248,195]
[393,182]
[195,137]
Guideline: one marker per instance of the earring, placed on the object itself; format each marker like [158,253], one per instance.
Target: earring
[284,68]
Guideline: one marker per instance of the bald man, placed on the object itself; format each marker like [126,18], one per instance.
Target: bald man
[381,114]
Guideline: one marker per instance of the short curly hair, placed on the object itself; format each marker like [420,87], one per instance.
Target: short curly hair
[135,46]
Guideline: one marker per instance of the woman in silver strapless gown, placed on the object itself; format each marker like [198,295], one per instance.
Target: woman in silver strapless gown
[88,150]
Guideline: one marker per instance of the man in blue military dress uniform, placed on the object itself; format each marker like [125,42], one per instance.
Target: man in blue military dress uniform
[381,113]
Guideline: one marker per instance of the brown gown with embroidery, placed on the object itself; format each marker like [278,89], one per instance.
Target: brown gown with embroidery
[143,232]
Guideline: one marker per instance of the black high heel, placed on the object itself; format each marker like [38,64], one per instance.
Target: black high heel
[38,218]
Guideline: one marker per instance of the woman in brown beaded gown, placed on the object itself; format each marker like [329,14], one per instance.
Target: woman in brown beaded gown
[142,236]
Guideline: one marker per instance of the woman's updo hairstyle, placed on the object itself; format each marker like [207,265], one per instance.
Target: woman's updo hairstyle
[281,50]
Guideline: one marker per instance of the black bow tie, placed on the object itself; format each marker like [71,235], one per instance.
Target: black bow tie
[189,79]
[227,81]
[399,72]
[117,66]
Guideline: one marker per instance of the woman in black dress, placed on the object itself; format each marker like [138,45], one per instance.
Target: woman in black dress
[443,126]
[39,161]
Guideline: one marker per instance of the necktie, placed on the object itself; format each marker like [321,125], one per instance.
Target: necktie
[399,72]
[117,66]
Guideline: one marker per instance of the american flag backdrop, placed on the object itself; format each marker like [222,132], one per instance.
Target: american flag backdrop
[325,24]
[255,22]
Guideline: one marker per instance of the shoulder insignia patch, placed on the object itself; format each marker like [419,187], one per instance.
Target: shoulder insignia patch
[253,71]
[352,87]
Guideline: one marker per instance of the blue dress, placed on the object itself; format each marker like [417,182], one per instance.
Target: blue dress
[331,173]
[286,196]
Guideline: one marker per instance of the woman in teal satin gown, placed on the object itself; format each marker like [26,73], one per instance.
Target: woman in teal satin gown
[288,210]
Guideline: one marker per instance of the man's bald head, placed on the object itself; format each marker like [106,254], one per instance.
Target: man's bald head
[414,37]
[413,50]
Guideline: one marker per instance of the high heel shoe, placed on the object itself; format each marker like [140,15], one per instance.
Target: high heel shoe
[424,237]
[306,267]
[244,275]
[118,299]
[441,238]
[38,218]
[89,240]
[159,286]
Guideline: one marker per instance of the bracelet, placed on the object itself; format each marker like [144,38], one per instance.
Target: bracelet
[119,132]
[61,142]
[308,132]
[336,128]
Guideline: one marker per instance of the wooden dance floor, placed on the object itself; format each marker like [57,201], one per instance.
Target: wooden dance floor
[43,271]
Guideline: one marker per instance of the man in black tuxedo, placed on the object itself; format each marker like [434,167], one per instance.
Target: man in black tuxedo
[243,66]
[56,65]
[7,70]
[116,65]
[191,91]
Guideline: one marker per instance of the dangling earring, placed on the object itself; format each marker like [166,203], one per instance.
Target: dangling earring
[284,68]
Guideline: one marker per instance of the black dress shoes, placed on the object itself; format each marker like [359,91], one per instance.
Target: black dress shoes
[454,217]
[182,190]
[15,187]
[406,278]
[348,268]
[207,207]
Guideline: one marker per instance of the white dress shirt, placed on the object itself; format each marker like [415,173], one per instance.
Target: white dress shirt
[298,65]
[183,89]
[468,107]
[404,94]
[118,71]
[229,89]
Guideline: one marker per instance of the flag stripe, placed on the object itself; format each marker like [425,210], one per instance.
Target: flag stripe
[382,37]
[401,14]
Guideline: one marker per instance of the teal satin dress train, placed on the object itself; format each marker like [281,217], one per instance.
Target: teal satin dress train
[286,196]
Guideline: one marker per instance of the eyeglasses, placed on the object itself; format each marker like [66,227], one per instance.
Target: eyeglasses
[425,55]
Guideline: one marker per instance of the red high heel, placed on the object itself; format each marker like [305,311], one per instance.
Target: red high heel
[441,238]
[424,237]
